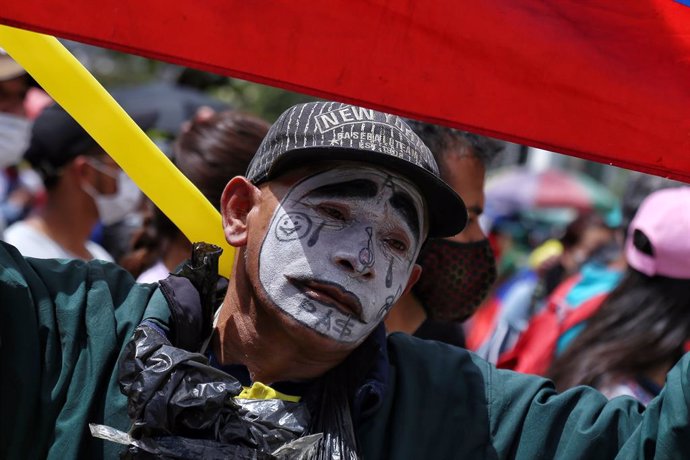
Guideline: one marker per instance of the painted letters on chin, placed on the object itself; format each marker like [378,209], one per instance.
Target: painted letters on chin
[340,249]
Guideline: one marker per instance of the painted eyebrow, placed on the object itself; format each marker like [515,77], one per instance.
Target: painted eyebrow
[404,204]
[358,188]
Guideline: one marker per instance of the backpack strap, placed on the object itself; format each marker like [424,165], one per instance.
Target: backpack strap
[534,350]
[192,293]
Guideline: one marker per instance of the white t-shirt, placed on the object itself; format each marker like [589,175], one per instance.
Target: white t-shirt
[154,273]
[32,243]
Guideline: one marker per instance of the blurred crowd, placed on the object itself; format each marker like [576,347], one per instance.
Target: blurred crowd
[580,291]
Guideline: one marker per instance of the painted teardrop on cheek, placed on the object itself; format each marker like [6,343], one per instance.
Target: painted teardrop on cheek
[315,235]
[389,274]
[366,255]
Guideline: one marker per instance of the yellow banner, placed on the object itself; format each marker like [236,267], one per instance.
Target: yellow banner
[72,86]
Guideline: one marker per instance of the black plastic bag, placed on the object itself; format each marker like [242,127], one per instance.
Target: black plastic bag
[177,401]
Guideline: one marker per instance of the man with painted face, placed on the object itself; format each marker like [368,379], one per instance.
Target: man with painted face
[83,186]
[457,271]
[327,223]
[346,239]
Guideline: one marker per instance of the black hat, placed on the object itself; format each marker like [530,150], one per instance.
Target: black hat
[336,131]
[56,139]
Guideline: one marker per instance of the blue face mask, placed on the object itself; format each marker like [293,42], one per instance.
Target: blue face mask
[456,277]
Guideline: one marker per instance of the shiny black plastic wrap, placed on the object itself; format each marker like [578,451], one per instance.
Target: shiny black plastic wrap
[178,403]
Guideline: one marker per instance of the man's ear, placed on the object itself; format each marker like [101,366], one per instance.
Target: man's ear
[239,197]
[414,277]
[81,169]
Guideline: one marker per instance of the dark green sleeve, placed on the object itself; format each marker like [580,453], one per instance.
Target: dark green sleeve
[445,402]
[529,420]
[63,325]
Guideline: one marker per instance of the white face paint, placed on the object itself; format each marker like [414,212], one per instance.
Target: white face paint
[340,249]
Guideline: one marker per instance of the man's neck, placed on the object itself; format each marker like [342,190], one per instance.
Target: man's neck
[406,315]
[66,222]
[247,335]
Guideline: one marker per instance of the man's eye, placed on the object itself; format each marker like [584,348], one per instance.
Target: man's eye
[330,211]
[396,244]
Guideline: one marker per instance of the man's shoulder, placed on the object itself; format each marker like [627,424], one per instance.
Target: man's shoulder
[98,252]
[422,348]
[436,405]
[434,361]
[30,242]
[17,229]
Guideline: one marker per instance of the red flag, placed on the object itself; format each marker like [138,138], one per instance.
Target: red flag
[607,81]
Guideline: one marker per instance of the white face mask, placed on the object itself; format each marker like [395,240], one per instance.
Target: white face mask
[340,250]
[15,133]
[115,207]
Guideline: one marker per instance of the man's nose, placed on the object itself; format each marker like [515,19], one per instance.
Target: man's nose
[358,263]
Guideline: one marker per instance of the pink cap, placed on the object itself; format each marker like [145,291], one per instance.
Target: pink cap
[664,218]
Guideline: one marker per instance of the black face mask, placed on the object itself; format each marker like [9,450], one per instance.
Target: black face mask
[455,278]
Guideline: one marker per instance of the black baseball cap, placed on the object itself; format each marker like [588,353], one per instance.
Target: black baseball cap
[57,138]
[318,131]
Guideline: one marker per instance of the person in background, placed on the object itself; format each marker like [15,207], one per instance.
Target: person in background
[211,148]
[20,103]
[578,297]
[14,86]
[83,185]
[582,239]
[524,294]
[457,271]
[641,328]
[600,279]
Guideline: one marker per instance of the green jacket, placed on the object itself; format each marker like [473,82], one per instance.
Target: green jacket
[63,326]
[445,402]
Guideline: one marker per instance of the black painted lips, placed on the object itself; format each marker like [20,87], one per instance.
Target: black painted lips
[331,294]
